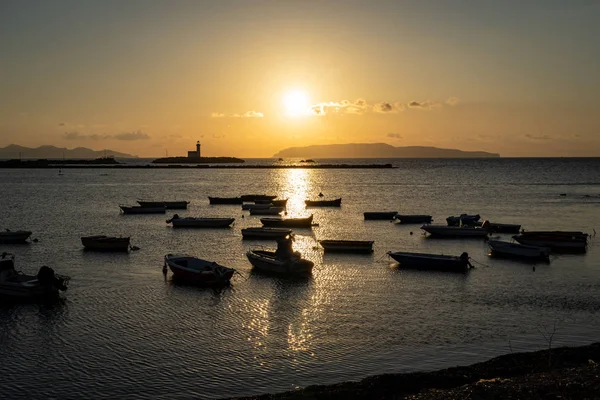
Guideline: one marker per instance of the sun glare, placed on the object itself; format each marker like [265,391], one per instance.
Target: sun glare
[296,103]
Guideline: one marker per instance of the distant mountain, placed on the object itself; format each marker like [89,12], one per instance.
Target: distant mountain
[13,150]
[378,150]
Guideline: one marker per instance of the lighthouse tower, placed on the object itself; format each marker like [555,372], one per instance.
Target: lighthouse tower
[195,154]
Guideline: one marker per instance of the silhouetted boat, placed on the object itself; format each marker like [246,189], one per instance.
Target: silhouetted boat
[323,203]
[414,219]
[19,286]
[347,246]
[199,222]
[432,261]
[455,231]
[196,271]
[9,236]
[279,203]
[105,243]
[170,205]
[250,206]
[257,197]
[267,261]
[267,211]
[388,215]
[142,210]
[265,233]
[514,250]
[504,228]
[225,200]
[557,241]
[280,222]
[463,219]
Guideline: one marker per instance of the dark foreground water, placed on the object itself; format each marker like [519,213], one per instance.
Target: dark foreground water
[124,331]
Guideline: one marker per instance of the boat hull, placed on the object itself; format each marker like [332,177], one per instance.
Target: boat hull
[143,210]
[520,251]
[266,211]
[196,271]
[10,237]
[380,215]
[169,205]
[555,245]
[225,200]
[414,219]
[202,222]
[443,231]
[287,222]
[323,203]
[105,243]
[265,233]
[347,246]
[431,261]
[266,261]
[257,197]
[504,228]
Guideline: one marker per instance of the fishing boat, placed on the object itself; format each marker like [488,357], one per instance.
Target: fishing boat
[504,228]
[265,233]
[432,261]
[347,246]
[257,197]
[169,205]
[323,203]
[279,203]
[250,206]
[414,219]
[388,215]
[142,210]
[576,242]
[9,236]
[561,235]
[267,211]
[514,250]
[281,222]
[106,243]
[193,270]
[444,231]
[463,219]
[225,200]
[199,222]
[17,285]
[283,261]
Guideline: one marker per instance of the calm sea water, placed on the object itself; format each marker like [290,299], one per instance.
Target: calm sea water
[124,331]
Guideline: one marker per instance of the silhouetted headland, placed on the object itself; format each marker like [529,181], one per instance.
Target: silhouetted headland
[198,160]
[44,163]
[53,152]
[565,372]
[378,150]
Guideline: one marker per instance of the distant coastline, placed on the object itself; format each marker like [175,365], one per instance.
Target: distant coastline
[198,160]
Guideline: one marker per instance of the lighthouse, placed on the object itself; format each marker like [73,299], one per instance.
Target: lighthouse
[195,154]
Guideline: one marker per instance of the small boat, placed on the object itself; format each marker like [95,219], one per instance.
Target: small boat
[275,203]
[9,236]
[279,203]
[559,235]
[280,222]
[455,231]
[267,211]
[323,203]
[196,271]
[414,219]
[169,205]
[19,286]
[507,249]
[265,233]
[225,200]
[432,261]
[347,246]
[142,210]
[556,242]
[106,243]
[504,228]
[198,222]
[463,219]
[388,215]
[284,260]
[250,206]
[257,197]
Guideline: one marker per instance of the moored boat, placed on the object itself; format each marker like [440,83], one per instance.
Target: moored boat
[323,203]
[575,242]
[225,200]
[265,233]
[514,250]
[267,211]
[105,243]
[279,203]
[347,246]
[432,261]
[455,231]
[387,215]
[257,197]
[463,219]
[504,228]
[142,210]
[281,222]
[250,206]
[170,205]
[193,270]
[283,261]
[414,219]
[199,222]
[16,285]
[9,236]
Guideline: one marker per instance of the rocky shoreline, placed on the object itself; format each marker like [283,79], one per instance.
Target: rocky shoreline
[561,373]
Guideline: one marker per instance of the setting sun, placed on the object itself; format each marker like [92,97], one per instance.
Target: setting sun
[296,103]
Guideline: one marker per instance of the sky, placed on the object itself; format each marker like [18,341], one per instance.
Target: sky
[249,78]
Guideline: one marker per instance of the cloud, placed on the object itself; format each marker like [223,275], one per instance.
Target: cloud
[384,107]
[247,114]
[425,105]
[394,135]
[61,124]
[538,137]
[136,135]
[452,101]
[360,106]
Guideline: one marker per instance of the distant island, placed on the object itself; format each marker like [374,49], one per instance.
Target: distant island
[14,151]
[44,163]
[378,150]
[198,160]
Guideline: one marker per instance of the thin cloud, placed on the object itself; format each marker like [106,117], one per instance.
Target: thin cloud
[247,114]
[424,105]
[452,101]
[384,107]
[360,106]
[136,135]
[538,137]
[394,136]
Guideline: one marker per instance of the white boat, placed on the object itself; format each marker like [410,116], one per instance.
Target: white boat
[507,249]
[267,211]
[197,271]
[265,233]
[19,286]
[198,222]
[9,236]
[455,231]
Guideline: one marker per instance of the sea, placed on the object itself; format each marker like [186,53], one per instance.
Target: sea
[123,330]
